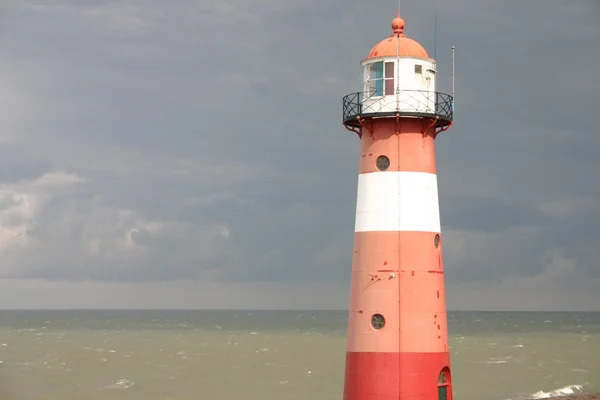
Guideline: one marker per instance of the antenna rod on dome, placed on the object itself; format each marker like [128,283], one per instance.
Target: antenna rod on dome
[453,47]
[435,30]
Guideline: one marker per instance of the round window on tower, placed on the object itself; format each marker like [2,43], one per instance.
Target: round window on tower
[436,241]
[382,163]
[377,321]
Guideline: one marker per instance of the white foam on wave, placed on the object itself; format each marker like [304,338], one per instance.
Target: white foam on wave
[564,391]
[501,358]
[120,384]
[494,360]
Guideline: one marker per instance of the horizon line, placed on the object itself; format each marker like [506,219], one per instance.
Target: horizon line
[276,309]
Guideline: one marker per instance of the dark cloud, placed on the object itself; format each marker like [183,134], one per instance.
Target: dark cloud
[482,214]
[203,142]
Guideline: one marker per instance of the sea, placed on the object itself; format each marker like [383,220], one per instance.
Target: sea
[275,355]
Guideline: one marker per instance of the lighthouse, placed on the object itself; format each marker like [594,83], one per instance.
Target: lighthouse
[397,346]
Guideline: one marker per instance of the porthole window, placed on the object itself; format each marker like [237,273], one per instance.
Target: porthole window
[436,241]
[377,321]
[382,163]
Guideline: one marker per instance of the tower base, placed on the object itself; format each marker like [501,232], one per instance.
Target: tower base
[396,376]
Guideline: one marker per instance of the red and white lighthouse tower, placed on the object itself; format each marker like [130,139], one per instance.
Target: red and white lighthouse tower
[397,331]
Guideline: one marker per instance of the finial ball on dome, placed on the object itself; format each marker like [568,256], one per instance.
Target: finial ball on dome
[398,25]
[397,44]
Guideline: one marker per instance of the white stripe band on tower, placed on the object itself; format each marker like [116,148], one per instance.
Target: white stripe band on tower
[397,201]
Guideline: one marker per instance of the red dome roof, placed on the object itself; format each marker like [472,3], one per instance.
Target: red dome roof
[398,44]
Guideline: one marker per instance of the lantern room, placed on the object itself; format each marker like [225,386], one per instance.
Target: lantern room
[397,64]
[385,76]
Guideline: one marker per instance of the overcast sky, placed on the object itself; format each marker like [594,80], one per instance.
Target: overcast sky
[190,154]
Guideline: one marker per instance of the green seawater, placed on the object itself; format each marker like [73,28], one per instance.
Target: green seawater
[274,355]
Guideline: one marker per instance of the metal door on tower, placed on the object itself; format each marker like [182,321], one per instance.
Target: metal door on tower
[442,392]
[443,384]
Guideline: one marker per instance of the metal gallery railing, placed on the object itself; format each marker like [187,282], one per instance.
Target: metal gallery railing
[417,103]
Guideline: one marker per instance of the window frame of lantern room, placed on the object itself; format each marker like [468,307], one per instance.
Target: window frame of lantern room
[379,78]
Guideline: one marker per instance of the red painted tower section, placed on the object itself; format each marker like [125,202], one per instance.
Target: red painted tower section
[397,344]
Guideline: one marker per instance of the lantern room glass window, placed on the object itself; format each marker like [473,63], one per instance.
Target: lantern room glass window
[380,79]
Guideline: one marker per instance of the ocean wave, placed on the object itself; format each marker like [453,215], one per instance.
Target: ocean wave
[564,391]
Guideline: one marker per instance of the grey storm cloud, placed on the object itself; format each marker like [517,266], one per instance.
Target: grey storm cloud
[162,141]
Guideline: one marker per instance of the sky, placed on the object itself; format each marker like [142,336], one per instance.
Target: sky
[190,154]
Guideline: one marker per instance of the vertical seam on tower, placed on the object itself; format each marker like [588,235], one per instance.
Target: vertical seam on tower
[398,131]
